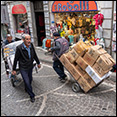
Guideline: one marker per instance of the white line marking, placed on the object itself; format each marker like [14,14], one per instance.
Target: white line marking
[45,76]
[42,106]
[8,95]
[4,81]
[112,89]
[109,84]
[62,94]
[3,73]
[2,62]
[47,91]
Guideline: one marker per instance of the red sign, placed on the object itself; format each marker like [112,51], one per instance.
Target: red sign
[74,6]
[18,9]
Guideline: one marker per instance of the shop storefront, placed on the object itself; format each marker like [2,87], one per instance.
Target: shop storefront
[76,20]
[19,13]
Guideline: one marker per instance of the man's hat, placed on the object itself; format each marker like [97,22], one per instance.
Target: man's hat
[56,34]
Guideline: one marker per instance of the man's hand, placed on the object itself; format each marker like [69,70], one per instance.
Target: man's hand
[14,72]
[49,50]
[39,66]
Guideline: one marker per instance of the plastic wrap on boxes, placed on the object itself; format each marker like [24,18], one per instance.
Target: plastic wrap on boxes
[96,78]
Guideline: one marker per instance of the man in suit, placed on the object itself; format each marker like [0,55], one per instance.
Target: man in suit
[25,54]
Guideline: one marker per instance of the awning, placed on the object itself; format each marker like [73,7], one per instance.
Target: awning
[74,6]
[19,9]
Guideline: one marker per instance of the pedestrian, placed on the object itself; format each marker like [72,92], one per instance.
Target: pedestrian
[60,46]
[8,40]
[5,42]
[25,54]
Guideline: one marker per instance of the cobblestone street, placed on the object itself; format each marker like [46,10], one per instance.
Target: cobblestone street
[54,98]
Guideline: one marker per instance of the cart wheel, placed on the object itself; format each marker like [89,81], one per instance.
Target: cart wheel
[12,82]
[76,87]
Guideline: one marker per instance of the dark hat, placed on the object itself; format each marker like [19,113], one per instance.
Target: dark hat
[56,34]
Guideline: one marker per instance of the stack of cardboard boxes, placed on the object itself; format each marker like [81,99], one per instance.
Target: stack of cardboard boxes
[89,65]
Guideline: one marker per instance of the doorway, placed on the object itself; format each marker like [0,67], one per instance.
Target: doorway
[40,25]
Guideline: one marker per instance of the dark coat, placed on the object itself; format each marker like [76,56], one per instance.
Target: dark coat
[22,57]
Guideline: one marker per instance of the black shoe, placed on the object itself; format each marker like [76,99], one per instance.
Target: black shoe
[65,76]
[32,99]
[26,91]
[62,79]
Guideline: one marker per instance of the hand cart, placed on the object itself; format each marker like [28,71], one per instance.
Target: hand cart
[9,54]
[76,86]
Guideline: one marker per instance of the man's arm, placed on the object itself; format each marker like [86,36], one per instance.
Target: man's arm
[17,55]
[57,47]
[35,56]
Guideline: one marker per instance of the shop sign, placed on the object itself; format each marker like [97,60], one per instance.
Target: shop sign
[19,9]
[74,6]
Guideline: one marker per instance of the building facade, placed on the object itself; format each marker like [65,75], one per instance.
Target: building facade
[38,17]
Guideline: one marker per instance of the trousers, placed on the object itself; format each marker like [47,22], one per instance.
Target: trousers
[27,77]
[59,68]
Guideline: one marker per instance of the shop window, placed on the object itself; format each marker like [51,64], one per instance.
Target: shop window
[21,23]
[77,24]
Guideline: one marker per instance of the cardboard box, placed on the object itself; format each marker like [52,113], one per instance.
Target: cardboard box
[83,84]
[81,62]
[108,55]
[72,56]
[70,67]
[96,51]
[104,62]
[89,80]
[64,60]
[110,58]
[80,48]
[80,70]
[74,72]
[89,59]
[98,69]
[95,77]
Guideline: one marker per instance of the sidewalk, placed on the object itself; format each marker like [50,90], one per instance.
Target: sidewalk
[48,59]
[42,57]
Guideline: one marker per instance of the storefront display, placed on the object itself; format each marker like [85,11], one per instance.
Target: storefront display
[75,24]
[75,19]
[21,19]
